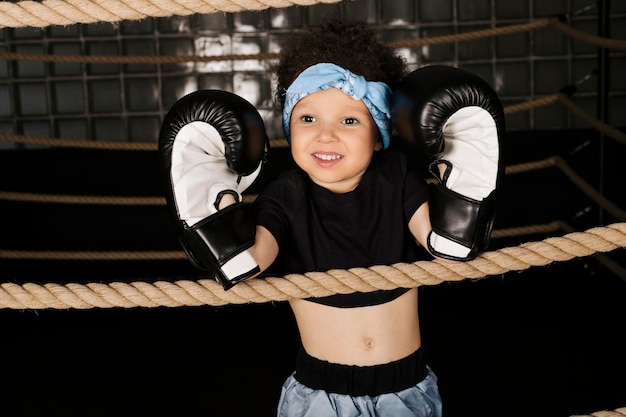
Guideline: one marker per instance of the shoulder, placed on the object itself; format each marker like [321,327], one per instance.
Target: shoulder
[392,156]
[390,163]
[285,193]
[288,182]
[397,172]
[279,206]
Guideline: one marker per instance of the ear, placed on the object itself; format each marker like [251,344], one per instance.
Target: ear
[379,145]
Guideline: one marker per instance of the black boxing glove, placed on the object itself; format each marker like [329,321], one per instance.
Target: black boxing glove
[457,120]
[213,143]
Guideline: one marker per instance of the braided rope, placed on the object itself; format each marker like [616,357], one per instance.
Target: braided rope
[312,284]
[180,255]
[554,161]
[77,143]
[608,43]
[609,131]
[531,104]
[92,256]
[47,12]
[123,10]
[76,199]
[584,37]
[66,12]
[135,59]
[584,186]
[619,412]
[467,36]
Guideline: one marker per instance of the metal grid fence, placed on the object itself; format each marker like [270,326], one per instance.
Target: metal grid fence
[126,102]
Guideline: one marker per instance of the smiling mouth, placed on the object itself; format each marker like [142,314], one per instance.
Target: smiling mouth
[327,157]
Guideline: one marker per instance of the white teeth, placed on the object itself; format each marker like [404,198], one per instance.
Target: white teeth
[327,157]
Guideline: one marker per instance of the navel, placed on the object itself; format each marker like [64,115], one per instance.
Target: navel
[369,343]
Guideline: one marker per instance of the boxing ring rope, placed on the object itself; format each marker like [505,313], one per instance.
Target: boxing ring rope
[561,97]
[59,12]
[275,143]
[554,161]
[595,241]
[313,284]
[179,255]
[620,412]
[555,22]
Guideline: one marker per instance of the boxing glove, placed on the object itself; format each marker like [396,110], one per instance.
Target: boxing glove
[213,143]
[456,119]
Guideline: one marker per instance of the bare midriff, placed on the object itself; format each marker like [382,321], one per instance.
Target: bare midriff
[360,336]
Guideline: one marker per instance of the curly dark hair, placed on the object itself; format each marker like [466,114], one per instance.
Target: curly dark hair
[351,45]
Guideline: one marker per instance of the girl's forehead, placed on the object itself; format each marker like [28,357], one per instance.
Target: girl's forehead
[330,97]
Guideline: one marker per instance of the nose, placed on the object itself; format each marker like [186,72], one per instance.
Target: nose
[327,134]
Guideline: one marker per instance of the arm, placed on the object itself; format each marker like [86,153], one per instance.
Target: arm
[419,225]
[265,248]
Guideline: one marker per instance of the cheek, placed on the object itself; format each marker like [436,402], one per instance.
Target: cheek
[297,135]
[297,149]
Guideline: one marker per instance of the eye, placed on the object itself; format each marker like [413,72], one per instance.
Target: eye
[350,121]
[307,118]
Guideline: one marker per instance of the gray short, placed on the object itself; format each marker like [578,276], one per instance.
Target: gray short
[421,400]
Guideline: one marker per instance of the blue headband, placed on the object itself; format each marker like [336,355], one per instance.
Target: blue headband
[375,95]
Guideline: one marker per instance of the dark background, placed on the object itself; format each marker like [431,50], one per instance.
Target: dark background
[548,341]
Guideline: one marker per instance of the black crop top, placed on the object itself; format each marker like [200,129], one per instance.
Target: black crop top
[318,230]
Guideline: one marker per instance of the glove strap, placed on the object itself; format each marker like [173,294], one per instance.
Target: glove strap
[461,219]
[219,244]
